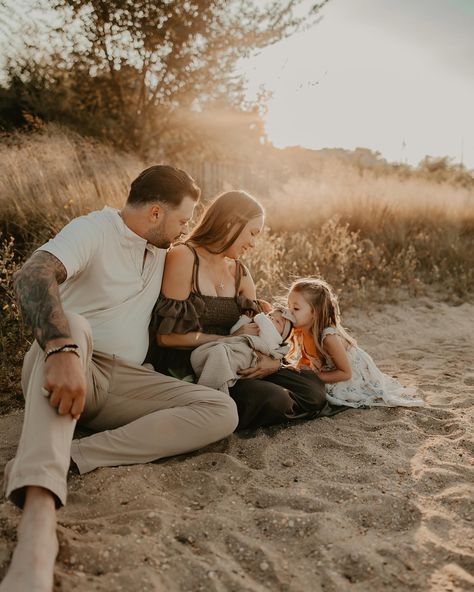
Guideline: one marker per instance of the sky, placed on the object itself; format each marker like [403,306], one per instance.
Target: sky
[396,76]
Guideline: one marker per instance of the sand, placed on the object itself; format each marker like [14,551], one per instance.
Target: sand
[368,500]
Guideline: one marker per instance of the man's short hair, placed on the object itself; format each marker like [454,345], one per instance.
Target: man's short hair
[162,183]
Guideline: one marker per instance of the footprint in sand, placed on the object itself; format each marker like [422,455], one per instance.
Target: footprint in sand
[393,514]
[451,578]
[468,446]
[411,355]
[253,560]
[430,386]
[355,567]
[438,422]
[273,500]
[457,501]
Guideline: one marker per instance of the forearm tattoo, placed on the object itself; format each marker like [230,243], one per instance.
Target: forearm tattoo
[36,288]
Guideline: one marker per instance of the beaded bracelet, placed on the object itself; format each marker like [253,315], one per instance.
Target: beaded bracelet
[68,347]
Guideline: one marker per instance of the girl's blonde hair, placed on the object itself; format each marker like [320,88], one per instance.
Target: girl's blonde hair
[322,299]
[220,216]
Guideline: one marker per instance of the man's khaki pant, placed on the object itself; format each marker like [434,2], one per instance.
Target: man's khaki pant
[140,416]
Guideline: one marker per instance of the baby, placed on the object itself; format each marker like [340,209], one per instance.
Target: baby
[218,364]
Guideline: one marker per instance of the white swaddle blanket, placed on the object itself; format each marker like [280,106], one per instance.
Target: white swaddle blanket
[268,332]
[217,364]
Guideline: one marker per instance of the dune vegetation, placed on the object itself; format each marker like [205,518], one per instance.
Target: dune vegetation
[376,233]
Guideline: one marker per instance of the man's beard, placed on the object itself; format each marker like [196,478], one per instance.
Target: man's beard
[158,238]
[159,241]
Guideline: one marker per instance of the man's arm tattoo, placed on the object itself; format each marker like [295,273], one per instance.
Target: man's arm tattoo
[36,287]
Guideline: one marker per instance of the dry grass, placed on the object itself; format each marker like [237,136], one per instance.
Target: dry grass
[50,177]
[371,235]
[12,338]
[45,180]
[368,200]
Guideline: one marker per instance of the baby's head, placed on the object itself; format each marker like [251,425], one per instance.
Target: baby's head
[313,303]
[282,321]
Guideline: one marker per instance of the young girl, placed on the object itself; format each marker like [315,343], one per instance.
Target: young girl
[320,343]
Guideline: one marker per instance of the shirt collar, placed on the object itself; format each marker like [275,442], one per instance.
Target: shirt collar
[129,237]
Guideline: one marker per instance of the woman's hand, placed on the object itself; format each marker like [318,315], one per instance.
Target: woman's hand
[264,367]
[248,329]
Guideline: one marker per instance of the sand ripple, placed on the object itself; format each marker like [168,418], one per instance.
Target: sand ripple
[364,501]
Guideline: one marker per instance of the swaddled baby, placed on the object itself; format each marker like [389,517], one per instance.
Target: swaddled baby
[218,364]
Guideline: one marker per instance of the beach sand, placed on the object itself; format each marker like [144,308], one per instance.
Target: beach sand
[368,500]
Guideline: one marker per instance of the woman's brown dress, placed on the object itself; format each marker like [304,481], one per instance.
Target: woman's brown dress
[282,396]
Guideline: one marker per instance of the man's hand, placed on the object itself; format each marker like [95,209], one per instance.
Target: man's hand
[64,378]
[265,365]
[248,329]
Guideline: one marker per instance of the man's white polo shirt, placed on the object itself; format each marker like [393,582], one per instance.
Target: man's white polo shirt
[110,281]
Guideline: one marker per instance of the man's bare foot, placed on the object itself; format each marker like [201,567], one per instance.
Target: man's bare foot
[32,565]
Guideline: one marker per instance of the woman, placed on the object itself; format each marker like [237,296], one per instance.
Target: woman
[204,291]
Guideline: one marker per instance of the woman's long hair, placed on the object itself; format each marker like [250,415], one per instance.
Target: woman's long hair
[230,211]
[322,299]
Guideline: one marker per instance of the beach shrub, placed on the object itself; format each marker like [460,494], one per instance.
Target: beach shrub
[13,339]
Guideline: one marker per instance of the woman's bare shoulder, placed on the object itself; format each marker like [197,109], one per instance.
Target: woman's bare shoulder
[180,254]
[178,273]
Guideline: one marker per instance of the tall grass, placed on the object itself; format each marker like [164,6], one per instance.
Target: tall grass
[367,232]
[367,199]
[12,337]
[45,180]
[371,235]
[50,177]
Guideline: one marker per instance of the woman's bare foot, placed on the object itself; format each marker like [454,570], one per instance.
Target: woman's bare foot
[32,565]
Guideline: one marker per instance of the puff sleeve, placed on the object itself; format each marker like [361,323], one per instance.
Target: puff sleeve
[177,316]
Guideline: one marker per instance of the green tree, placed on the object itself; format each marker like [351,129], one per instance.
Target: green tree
[126,69]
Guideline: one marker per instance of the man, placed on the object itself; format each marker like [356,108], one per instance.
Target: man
[88,293]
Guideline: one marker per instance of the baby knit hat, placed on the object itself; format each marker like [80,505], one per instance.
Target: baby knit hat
[289,321]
